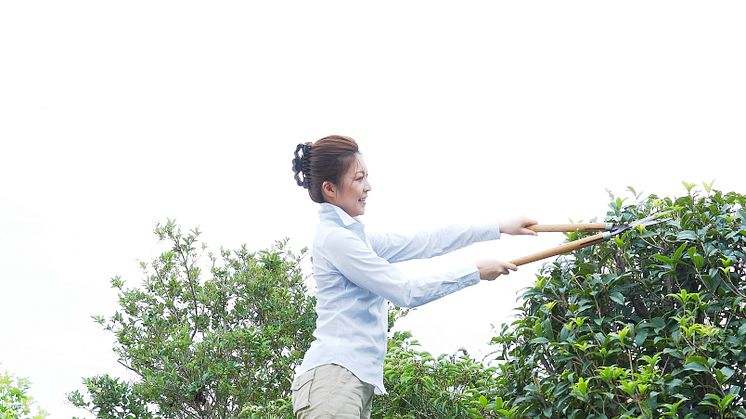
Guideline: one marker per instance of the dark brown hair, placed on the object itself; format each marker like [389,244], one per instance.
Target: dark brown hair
[328,159]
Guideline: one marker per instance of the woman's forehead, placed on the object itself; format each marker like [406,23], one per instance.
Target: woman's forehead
[358,166]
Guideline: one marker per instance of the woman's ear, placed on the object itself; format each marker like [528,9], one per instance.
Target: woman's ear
[328,189]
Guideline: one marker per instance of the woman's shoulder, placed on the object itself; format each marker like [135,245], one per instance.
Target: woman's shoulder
[331,232]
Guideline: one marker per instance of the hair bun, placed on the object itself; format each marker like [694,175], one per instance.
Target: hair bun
[301,165]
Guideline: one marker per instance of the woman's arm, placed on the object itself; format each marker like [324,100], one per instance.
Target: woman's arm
[395,247]
[399,247]
[349,255]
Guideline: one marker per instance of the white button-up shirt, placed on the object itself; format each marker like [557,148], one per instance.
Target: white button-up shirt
[355,278]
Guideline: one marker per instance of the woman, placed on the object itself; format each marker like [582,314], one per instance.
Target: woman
[355,278]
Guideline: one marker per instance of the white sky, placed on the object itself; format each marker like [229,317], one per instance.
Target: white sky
[116,115]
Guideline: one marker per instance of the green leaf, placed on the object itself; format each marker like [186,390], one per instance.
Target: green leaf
[628,387]
[679,252]
[641,336]
[686,235]
[727,372]
[708,186]
[658,323]
[623,333]
[725,401]
[617,297]
[665,259]
[696,366]
[643,388]
[537,329]
[697,259]
[547,308]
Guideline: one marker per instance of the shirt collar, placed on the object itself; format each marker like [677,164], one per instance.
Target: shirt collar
[331,211]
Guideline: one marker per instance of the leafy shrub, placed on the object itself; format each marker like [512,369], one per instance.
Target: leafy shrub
[649,324]
[15,402]
[422,386]
[222,346]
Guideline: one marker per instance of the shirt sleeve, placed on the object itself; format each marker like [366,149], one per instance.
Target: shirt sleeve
[398,247]
[362,266]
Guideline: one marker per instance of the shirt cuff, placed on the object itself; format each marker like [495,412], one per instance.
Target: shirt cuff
[469,275]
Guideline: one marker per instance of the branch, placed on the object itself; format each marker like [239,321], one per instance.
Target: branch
[130,368]
[188,267]
[194,300]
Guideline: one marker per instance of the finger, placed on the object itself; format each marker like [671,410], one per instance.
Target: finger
[512,267]
[528,232]
[528,222]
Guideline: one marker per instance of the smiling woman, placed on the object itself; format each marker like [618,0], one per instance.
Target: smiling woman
[331,159]
[355,279]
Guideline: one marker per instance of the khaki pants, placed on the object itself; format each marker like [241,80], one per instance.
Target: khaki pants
[331,391]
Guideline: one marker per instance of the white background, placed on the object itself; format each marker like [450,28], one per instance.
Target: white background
[116,115]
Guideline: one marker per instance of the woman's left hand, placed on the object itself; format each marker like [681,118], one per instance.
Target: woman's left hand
[518,226]
[489,269]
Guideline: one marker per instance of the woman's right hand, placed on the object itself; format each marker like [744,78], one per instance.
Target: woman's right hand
[518,226]
[490,269]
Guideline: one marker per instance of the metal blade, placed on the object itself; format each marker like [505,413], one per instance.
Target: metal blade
[647,221]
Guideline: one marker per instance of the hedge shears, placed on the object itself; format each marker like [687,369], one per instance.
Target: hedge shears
[608,230]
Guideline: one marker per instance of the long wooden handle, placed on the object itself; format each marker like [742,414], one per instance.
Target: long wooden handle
[542,228]
[563,248]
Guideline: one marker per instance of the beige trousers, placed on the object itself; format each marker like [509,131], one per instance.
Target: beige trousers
[331,391]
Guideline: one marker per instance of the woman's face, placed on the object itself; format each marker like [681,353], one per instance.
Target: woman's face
[353,190]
